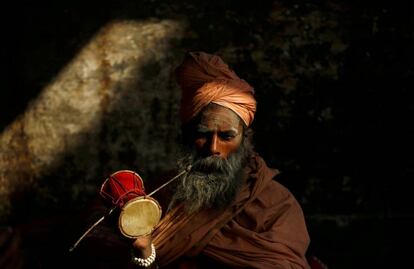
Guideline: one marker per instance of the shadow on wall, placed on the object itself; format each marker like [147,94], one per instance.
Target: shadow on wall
[105,111]
[323,74]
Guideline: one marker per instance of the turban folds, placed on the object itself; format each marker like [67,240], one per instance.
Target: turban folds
[205,79]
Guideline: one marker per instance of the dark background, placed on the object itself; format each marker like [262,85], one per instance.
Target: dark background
[337,122]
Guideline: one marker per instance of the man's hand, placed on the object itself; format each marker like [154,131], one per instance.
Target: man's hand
[142,246]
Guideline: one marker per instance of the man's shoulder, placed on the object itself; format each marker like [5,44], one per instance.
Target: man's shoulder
[260,167]
[273,191]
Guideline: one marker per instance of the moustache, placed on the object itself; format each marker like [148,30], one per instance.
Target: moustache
[210,164]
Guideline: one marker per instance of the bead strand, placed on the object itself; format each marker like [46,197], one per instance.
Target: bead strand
[145,262]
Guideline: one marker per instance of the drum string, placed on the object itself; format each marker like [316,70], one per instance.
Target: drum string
[90,228]
[113,208]
[169,181]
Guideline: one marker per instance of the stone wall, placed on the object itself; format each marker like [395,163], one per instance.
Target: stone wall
[90,90]
[106,110]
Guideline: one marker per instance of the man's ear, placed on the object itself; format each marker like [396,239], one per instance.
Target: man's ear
[248,133]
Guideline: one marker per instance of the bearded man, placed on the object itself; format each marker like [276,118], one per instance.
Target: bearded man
[227,211]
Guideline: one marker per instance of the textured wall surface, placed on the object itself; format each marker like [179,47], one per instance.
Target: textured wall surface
[89,90]
[103,112]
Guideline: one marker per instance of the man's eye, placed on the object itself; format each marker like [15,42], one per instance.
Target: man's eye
[227,136]
[200,134]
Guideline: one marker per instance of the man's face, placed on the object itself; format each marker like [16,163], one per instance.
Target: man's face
[218,154]
[219,132]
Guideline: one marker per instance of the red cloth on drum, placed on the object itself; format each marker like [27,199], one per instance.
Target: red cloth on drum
[122,186]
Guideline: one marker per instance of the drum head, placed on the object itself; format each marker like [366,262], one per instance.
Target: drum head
[139,216]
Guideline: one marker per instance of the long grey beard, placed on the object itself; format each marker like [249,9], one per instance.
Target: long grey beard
[212,181]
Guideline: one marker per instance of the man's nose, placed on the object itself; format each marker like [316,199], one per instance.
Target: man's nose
[214,147]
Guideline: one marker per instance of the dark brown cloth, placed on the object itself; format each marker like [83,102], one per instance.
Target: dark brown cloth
[263,228]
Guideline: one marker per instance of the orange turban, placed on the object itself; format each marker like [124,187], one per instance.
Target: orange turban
[205,79]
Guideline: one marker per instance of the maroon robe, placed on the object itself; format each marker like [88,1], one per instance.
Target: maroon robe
[263,228]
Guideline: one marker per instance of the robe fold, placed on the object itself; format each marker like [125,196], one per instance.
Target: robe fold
[263,228]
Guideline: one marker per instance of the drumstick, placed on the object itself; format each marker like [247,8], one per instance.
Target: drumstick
[171,180]
[90,228]
[112,209]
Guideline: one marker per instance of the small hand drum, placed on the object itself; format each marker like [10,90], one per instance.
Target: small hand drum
[139,216]
[139,213]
